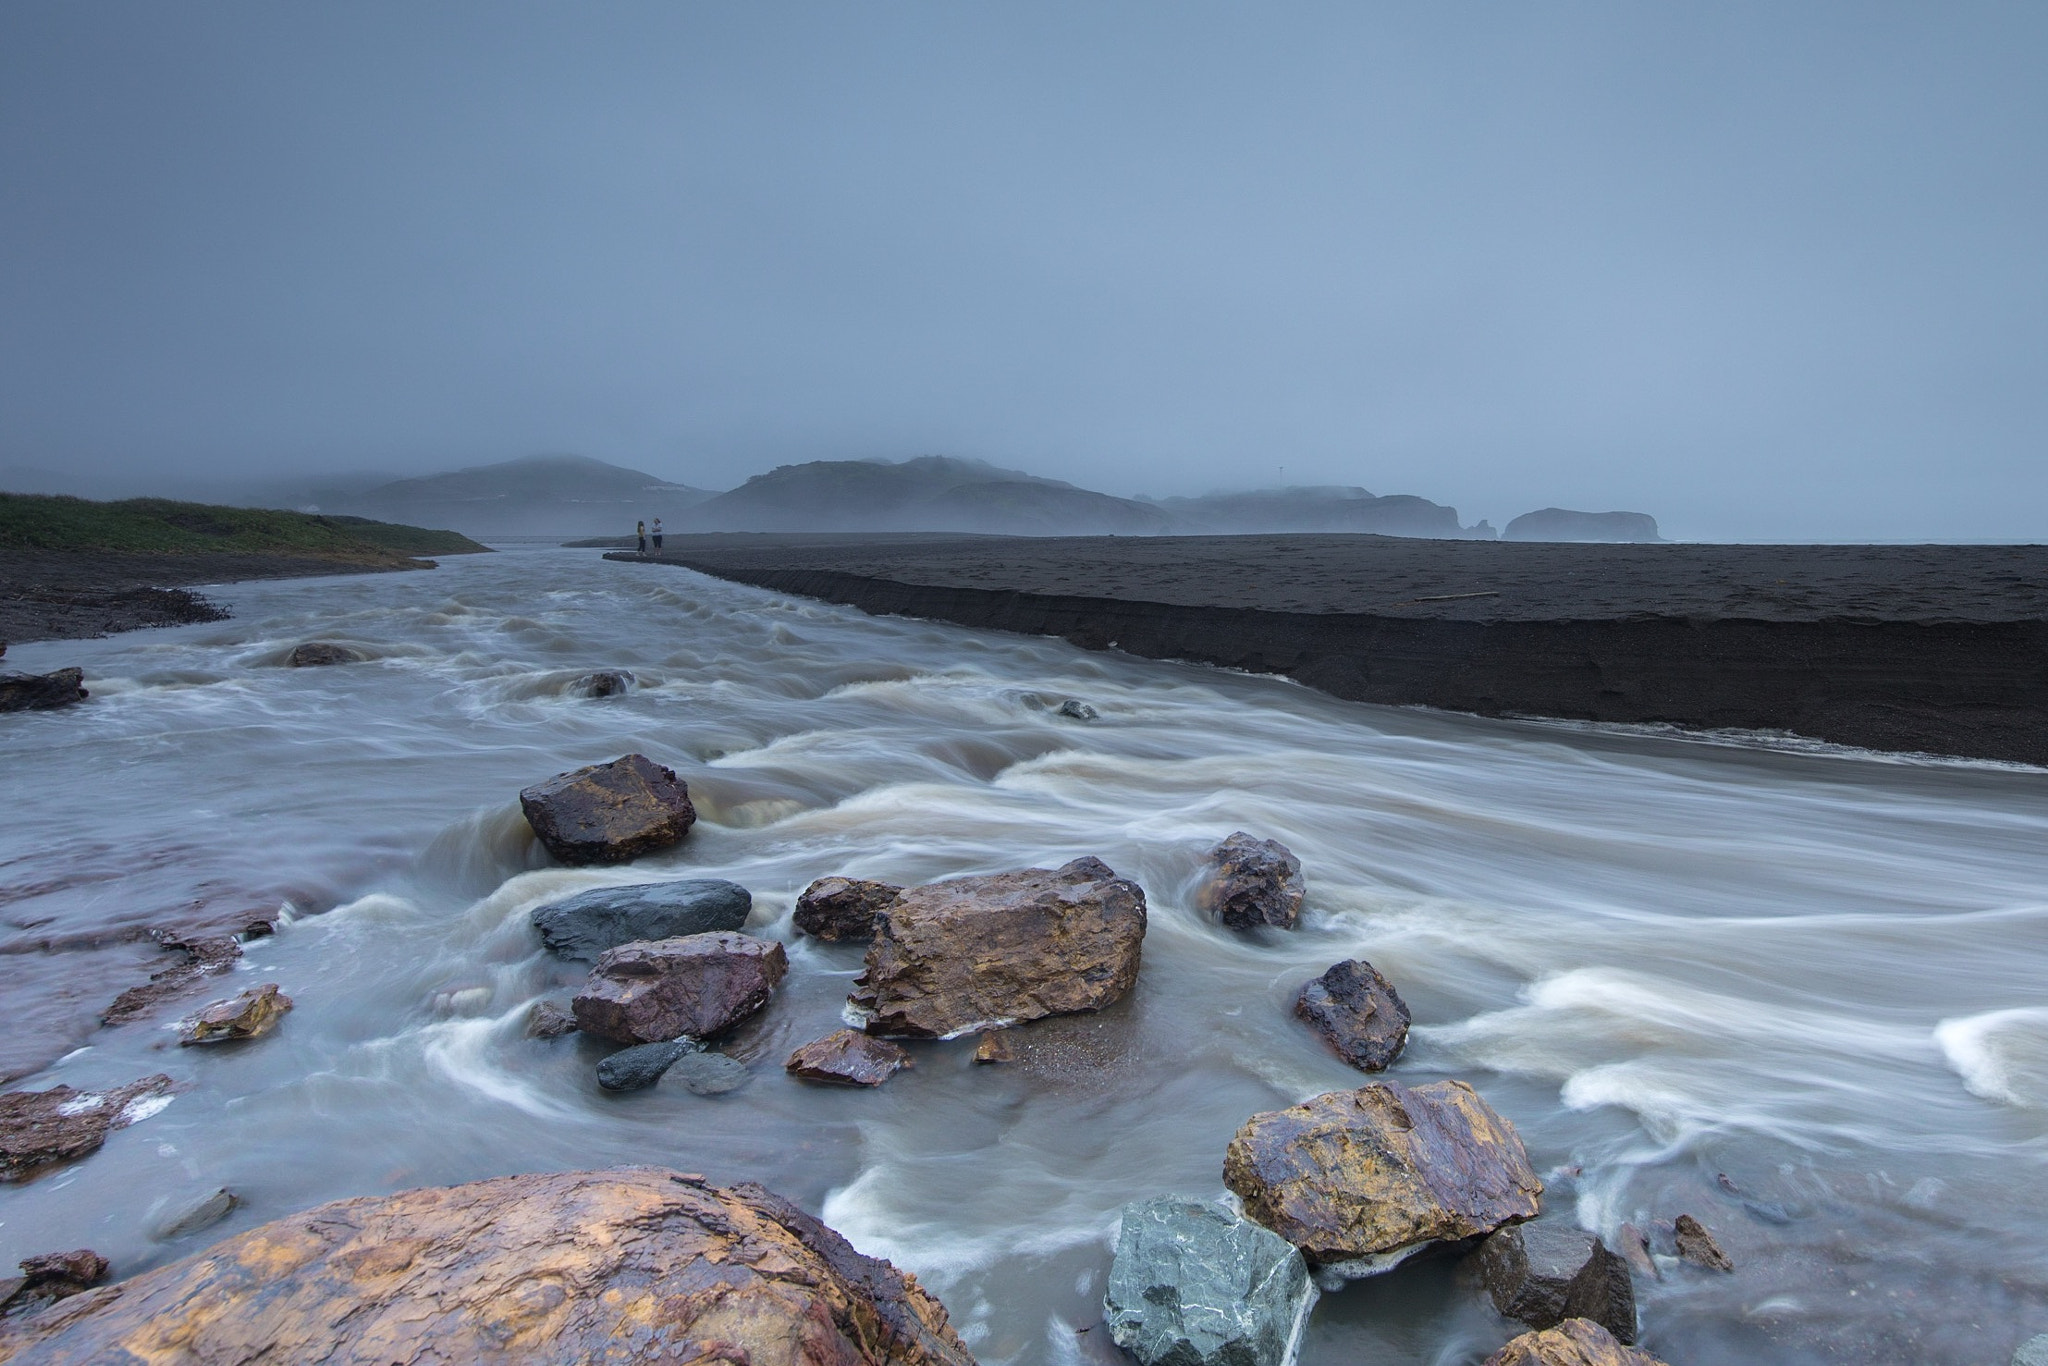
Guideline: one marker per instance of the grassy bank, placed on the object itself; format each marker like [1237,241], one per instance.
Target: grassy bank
[159,526]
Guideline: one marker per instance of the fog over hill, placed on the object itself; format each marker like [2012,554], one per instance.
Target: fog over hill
[543,495]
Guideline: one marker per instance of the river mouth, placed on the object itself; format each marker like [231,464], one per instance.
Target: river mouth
[1822,977]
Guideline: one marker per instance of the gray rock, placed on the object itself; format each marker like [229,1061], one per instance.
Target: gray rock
[546,1020]
[585,925]
[1074,709]
[631,1069]
[710,1074]
[315,654]
[41,692]
[1255,882]
[2032,1352]
[604,683]
[1359,1012]
[1196,1285]
[189,1216]
[1548,1271]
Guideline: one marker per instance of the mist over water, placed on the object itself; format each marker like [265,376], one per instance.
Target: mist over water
[1818,974]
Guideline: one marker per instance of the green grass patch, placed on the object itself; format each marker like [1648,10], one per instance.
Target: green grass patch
[159,526]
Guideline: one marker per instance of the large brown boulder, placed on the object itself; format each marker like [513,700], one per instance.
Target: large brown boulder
[626,1266]
[694,986]
[975,953]
[1255,882]
[43,1129]
[1359,1180]
[843,907]
[1358,1012]
[1575,1342]
[610,813]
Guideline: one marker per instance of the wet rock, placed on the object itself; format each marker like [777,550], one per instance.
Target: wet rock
[585,925]
[1635,1248]
[993,1047]
[250,1015]
[546,1020]
[42,692]
[610,813]
[849,1058]
[835,908]
[2032,1352]
[1195,1285]
[1358,1012]
[630,1264]
[1360,1180]
[974,953]
[42,1129]
[51,1277]
[198,958]
[1548,1271]
[710,1074]
[316,654]
[1255,882]
[1575,1342]
[696,985]
[190,1216]
[604,683]
[631,1069]
[1697,1246]
[1074,709]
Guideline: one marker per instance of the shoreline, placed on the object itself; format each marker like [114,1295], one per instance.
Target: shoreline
[1959,666]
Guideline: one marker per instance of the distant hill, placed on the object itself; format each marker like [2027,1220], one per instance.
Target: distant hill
[543,495]
[159,526]
[1562,524]
[1320,508]
[930,493]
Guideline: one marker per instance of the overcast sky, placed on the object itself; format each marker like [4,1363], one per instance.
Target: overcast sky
[1765,271]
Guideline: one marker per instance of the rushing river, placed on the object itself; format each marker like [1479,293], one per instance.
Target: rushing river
[1820,976]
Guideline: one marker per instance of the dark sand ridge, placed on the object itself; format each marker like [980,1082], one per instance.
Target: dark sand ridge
[1941,649]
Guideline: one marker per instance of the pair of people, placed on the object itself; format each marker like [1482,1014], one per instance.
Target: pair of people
[640,530]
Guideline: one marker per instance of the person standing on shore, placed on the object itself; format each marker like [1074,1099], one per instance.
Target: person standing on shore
[657,535]
[640,530]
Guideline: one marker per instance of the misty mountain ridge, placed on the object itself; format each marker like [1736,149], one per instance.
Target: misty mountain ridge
[538,495]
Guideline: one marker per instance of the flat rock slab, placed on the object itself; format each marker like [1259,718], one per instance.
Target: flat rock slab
[977,953]
[1359,1180]
[848,1057]
[582,927]
[1197,1285]
[250,1015]
[1255,882]
[696,985]
[1358,1013]
[629,1265]
[1575,1342]
[835,908]
[197,958]
[610,813]
[42,692]
[710,1074]
[42,1129]
[1548,1271]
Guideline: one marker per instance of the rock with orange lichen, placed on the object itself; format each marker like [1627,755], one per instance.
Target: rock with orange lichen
[626,1265]
[1575,1342]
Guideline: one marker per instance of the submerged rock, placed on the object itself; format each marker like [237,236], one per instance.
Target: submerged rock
[42,692]
[42,1129]
[610,813]
[1575,1342]
[604,683]
[1358,1012]
[632,1069]
[1074,709]
[546,1020]
[994,1046]
[1547,1271]
[316,654]
[1360,1180]
[974,953]
[1697,1246]
[198,958]
[633,1264]
[1255,882]
[192,1215]
[51,1277]
[835,908]
[250,1015]
[848,1057]
[710,1074]
[696,985]
[2032,1352]
[1196,1285]
[583,926]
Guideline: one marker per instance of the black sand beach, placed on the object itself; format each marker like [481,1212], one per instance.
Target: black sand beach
[1941,649]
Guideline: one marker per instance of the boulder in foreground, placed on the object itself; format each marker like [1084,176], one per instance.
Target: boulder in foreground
[627,1266]
[976,953]
[835,908]
[41,1129]
[848,1057]
[1255,882]
[1575,1342]
[1197,1285]
[1548,1271]
[250,1015]
[697,985]
[583,926]
[1360,1180]
[610,813]
[1358,1012]
[42,692]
